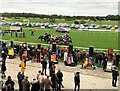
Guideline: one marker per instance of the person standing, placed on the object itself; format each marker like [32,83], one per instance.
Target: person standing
[3,69]
[4,56]
[20,77]
[10,33]
[38,56]
[10,84]
[41,81]
[32,31]
[21,30]
[44,65]
[117,59]
[16,34]
[39,74]
[23,34]
[52,70]
[22,66]
[47,84]
[105,60]
[24,57]
[35,85]
[21,51]
[25,84]
[60,79]
[100,58]
[32,55]
[77,81]
[54,80]
[115,74]
[65,57]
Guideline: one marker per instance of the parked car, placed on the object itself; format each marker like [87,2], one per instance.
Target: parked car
[63,29]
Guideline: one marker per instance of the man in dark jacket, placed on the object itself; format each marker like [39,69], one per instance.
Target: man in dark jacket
[77,81]
[54,80]
[3,69]
[10,84]
[60,76]
[100,58]
[20,77]
[4,56]
[105,59]
[44,65]
[115,74]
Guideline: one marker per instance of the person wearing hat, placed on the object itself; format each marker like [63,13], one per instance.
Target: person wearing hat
[25,84]
[44,65]
[115,74]
[35,85]
[77,81]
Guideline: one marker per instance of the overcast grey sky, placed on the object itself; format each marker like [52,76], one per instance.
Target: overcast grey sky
[63,7]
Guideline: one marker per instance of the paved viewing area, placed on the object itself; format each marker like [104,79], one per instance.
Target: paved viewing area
[90,79]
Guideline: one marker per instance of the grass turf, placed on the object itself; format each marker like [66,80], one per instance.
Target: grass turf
[79,38]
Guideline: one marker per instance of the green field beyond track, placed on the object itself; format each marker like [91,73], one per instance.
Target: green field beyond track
[79,38]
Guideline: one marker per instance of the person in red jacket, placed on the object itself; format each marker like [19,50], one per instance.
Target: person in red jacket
[53,70]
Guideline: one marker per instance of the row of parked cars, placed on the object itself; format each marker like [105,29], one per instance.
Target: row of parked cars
[61,26]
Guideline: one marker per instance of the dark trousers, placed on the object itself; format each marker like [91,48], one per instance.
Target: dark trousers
[59,86]
[20,86]
[43,68]
[114,81]
[20,56]
[3,74]
[54,89]
[38,59]
[47,89]
[77,85]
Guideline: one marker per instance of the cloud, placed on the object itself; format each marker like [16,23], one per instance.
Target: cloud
[63,7]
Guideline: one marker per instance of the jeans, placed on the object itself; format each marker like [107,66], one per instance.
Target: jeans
[77,85]
[114,81]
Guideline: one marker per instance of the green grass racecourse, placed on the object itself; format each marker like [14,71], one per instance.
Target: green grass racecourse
[80,38]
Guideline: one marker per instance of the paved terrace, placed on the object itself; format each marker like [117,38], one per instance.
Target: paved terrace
[90,79]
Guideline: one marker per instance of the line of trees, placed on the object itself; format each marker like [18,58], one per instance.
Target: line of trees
[55,16]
